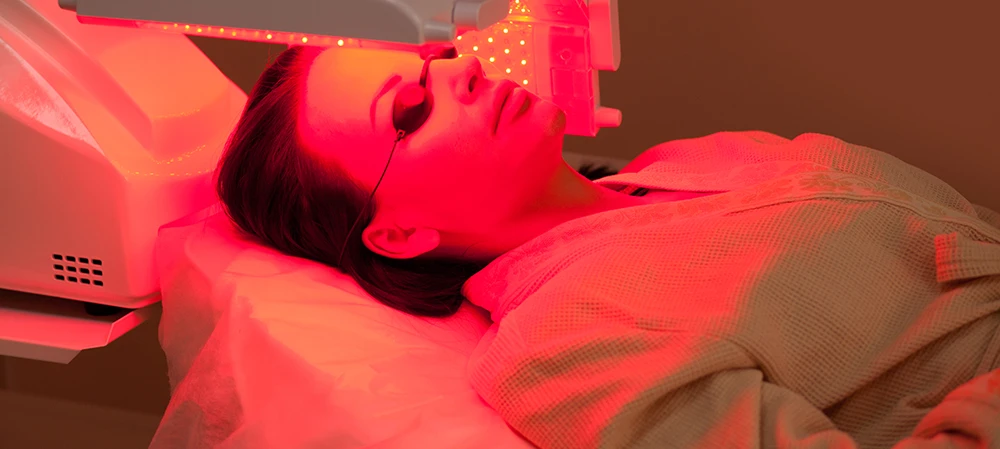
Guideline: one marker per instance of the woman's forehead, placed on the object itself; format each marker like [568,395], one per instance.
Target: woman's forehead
[340,88]
[346,80]
[342,83]
[357,64]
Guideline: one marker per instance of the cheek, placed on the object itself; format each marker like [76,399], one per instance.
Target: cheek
[465,196]
[453,140]
[449,126]
[456,171]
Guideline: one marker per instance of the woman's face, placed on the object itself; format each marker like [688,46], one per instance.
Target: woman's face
[472,167]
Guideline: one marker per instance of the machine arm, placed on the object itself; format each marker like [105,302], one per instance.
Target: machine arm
[397,21]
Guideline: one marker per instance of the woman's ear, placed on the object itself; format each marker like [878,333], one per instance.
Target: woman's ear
[395,242]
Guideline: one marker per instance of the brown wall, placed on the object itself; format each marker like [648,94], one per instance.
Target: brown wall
[918,79]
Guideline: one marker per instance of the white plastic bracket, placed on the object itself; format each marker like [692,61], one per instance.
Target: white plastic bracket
[605,37]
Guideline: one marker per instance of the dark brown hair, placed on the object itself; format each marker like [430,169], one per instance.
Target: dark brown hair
[594,172]
[276,192]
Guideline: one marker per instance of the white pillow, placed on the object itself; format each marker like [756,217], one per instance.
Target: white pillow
[270,351]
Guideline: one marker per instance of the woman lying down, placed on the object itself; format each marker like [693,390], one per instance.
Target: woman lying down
[738,290]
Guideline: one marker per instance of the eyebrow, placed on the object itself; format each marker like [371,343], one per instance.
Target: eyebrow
[390,82]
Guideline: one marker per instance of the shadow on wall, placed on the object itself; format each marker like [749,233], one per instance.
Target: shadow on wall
[917,79]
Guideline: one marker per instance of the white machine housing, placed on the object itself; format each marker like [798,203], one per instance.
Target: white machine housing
[110,132]
[405,22]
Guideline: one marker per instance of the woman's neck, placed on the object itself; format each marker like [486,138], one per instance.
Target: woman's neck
[568,197]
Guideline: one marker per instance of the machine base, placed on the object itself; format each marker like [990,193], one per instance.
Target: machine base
[56,330]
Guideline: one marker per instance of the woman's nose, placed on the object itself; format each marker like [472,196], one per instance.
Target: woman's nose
[472,63]
[476,64]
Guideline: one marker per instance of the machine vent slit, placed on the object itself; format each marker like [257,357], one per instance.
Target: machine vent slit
[66,265]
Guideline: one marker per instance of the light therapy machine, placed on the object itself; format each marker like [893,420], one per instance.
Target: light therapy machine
[112,123]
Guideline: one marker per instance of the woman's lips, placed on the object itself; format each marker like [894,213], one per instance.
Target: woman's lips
[517,103]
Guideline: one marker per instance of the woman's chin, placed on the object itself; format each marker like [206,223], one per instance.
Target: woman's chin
[550,117]
[559,122]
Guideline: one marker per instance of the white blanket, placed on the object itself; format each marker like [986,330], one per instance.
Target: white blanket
[828,295]
[267,351]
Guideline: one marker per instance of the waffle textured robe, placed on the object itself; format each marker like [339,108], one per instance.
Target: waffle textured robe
[825,295]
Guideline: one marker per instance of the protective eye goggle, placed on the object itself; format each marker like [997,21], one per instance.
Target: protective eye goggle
[414,103]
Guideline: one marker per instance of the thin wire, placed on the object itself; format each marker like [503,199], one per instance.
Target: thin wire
[399,137]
